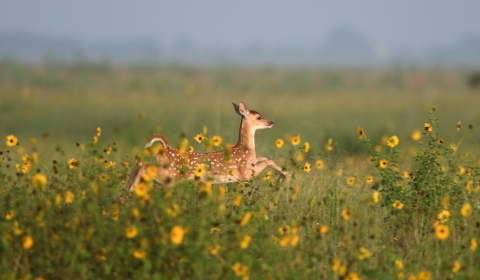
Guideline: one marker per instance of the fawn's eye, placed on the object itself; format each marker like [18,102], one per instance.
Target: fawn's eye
[259,118]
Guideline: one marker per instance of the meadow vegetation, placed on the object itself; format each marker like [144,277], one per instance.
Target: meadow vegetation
[385,168]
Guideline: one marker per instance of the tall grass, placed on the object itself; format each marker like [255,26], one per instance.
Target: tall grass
[339,219]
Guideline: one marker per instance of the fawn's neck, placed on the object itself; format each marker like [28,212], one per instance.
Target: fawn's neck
[246,137]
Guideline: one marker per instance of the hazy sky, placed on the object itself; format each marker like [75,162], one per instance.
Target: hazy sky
[413,23]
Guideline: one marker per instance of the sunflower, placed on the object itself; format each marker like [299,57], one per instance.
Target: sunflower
[456,266]
[139,254]
[176,235]
[416,135]
[346,214]
[306,147]
[72,163]
[39,180]
[427,127]
[360,133]
[245,241]
[94,139]
[199,138]
[466,210]
[217,140]
[441,140]
[442,232]
[141,190]
[9,215]
[375,196]
[27,243]
[99,131]
[69,197]
[191,149]
[279,143]
[369,179]
[351,180]
[12,140]
[473,244]
[131,232]
[393,141]
[383,163]
[240,269]
[397,204]
[459,124]
[319,164]
[200,170]
[296,140]
[443,216]
[425,275]
[306,167]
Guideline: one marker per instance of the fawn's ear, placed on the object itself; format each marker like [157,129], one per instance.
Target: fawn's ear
[241,109]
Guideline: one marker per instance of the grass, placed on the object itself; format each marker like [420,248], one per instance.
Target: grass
[327,223]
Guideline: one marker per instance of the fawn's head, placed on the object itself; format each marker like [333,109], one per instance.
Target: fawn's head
[252,118]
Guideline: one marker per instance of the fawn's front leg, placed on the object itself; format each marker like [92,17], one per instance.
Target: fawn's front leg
[263,162]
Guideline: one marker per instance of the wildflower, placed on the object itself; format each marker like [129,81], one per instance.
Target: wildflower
[443,216]
[296,140]
[424,275]
[94,139]
[284,230]
[12,140]
[214,249]
[9,215]
[456,266]
[405,175]
[240,269]
[346,214]
[245,241]
[466,210]
[383,163]
[416,135]
[72,163]
[294,240]
[135,212]
[323,229]
[245,219]
[360,133]
[217,140]
[397,204]
[328,146]
[393,141]
[369,179]
[306,167]
[139,254]
[306,147]
[364,254]
[267,176]
[39,180]
[351,180]
[319,164]
[375,197]
[473,244]
[200,170]
[141,190]
[399,264]
[459,124]
[191,149]
[131,232]
[238,200]
[69,197]
[27,242]
[176,235]
[427,127]
[99,131]
[338,267]
[214,229]
[279,143]
[103,177]
[200,138]
[352,276]
[441,140]
[442,232]
[108,150]
[300,157]
[111,164]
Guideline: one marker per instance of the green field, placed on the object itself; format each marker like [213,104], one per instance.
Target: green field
[364,210]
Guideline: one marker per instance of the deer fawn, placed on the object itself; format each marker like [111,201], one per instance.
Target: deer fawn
[239,163]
